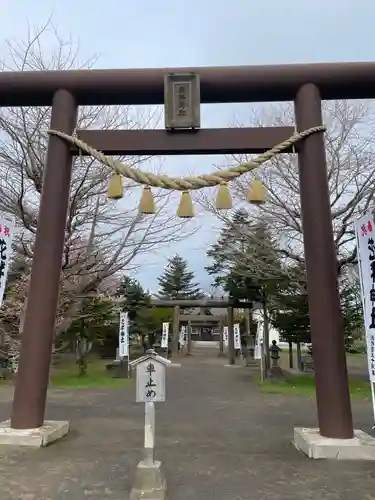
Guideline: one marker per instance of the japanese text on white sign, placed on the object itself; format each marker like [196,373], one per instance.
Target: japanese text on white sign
[6,238]
[237,336]
[164,336]
[365,234]
[124,335]
[151,382]
[225,335]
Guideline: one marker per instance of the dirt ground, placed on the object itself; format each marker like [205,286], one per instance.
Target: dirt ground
[218,437]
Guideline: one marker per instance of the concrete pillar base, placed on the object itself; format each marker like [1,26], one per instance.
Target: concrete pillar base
[312,444]
[50,432]
[149,483]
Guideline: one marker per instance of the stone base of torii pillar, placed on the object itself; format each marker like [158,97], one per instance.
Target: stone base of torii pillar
[50,432]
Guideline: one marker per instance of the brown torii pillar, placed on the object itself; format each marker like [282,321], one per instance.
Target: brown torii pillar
[40,315]
[331,378]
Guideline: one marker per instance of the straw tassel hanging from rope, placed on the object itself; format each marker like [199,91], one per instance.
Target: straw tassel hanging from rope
[115,187]
[223,197]
[257,192]
[185,208]
[147,203]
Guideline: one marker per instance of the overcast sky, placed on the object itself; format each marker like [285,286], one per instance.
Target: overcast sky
[166,33]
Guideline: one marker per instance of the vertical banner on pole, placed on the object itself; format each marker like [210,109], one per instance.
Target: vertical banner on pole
[6,239]
[164,336]
[182,336]
[261,347]
[365,235]
[225,335]
[123,346]
[237,336]
[258,342]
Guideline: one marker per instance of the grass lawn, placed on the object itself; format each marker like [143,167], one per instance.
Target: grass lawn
[304,385]
[67,377]
[354,361]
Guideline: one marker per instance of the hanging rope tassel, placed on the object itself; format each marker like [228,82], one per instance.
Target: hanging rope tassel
[223,197]
[115,187]
[185,208]
[257,193]
[147,203]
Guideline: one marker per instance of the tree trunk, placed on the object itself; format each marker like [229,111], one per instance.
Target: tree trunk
[175,329]
[82,349]
[190,344]
[249,337]
[290,354]
[299,357]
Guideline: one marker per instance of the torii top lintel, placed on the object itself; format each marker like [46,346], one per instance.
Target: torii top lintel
[354,80]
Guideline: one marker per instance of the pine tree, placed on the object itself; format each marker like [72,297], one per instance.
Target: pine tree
[291,315]
[136,298]
[177,282]
[246,263]
[137,302]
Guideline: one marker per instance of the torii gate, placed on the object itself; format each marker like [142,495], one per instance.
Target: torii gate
[306,85]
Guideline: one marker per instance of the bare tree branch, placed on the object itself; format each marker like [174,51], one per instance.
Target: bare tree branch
[350,150]
[103,238]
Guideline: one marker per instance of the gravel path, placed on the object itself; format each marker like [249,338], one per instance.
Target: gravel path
[218,438]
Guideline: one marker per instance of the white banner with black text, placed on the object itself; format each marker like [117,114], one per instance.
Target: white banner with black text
[164,336]
[123,343]
[7,227]
[365,236]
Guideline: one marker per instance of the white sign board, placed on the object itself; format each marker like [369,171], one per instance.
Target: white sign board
[225,335]
[365,235]
[123,337]
[164,336]
[182,336]
[237,336]
[150,381]
[6,239]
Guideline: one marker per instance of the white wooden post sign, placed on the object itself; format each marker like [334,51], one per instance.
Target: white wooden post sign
[164,336]
[237,336]
[150,383]
[225,335]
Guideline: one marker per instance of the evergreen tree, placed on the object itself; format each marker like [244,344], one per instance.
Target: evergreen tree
[96,323]
[247,266]
[290,316]
[137,302]
[177,282]
[144,319]
[135,297]
[352,315]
